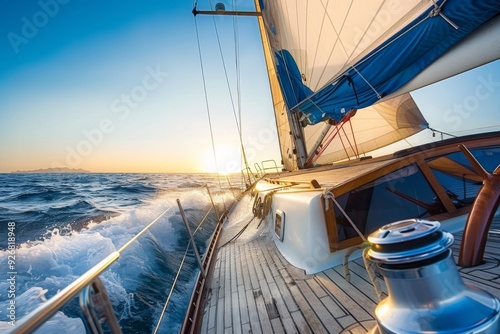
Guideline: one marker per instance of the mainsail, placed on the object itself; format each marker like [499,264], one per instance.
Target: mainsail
[335,60]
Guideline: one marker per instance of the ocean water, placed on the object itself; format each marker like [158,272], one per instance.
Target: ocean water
[60,225]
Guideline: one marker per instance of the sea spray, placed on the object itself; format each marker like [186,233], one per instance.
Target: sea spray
[55,247]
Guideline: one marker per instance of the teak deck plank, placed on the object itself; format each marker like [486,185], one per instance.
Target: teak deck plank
[285,293]
[254,290]
[284,314]
[310,316]
[252,311]
[317,306]
[301,323]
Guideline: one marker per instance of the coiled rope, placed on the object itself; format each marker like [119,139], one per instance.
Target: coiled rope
[260,210]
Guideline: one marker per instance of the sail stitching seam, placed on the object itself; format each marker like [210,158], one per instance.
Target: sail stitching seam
[334,81]
[338,40]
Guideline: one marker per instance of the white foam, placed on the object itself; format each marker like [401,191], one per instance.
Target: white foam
[51,264]
[31,299]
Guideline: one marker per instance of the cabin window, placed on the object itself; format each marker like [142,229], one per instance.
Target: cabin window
[279,224]
[488,157]
[461,190]
[458,177]
[402,194]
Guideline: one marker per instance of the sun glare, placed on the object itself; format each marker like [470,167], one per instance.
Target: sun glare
[228,160]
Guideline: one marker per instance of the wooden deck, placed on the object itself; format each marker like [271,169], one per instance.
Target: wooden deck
[253,289]
[331,176]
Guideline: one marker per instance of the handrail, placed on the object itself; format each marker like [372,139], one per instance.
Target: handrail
[258,169]
[143,231]
[230,188]
[212,201]
[249,175]
[272,167]
[44,312]
[190,322]
[174,283]
[98,301]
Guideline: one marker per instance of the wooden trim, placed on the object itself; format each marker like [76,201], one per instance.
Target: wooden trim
[313,184]
[370,176]
[331,224]
[481,216]
[450,145]
[332,231]
[436,186]
[451,167]
[430,152]
[445,215]
[349,243]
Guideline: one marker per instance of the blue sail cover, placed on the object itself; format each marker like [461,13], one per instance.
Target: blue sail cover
[290,79]
[386,68]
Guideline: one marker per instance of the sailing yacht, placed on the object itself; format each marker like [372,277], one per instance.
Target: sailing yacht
[340,74]
[340,241]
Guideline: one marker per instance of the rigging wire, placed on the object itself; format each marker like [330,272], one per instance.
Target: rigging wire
[441,132]
[331,134]
[237,121]
[167,301]
[379,96]
[181,264]
[328,194]
[496,127]
[238,85]
[207,104]
[237,69]
[239,233]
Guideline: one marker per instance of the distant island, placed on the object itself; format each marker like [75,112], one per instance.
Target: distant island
[54,170]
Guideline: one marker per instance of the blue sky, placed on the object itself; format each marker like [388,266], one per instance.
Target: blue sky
[124,77]
[116,86]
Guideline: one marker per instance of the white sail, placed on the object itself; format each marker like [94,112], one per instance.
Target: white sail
[325,37]
[337,58]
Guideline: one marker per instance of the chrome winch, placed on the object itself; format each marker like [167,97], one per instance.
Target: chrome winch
[426,294]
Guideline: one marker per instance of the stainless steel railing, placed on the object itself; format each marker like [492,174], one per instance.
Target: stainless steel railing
[44,312]
[89,283]
[269,165]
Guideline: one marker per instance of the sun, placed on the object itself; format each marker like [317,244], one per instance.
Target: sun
[228,159]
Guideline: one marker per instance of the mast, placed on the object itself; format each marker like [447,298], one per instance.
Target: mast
[287,123]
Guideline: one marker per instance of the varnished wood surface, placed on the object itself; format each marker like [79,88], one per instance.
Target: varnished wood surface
[350,175]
